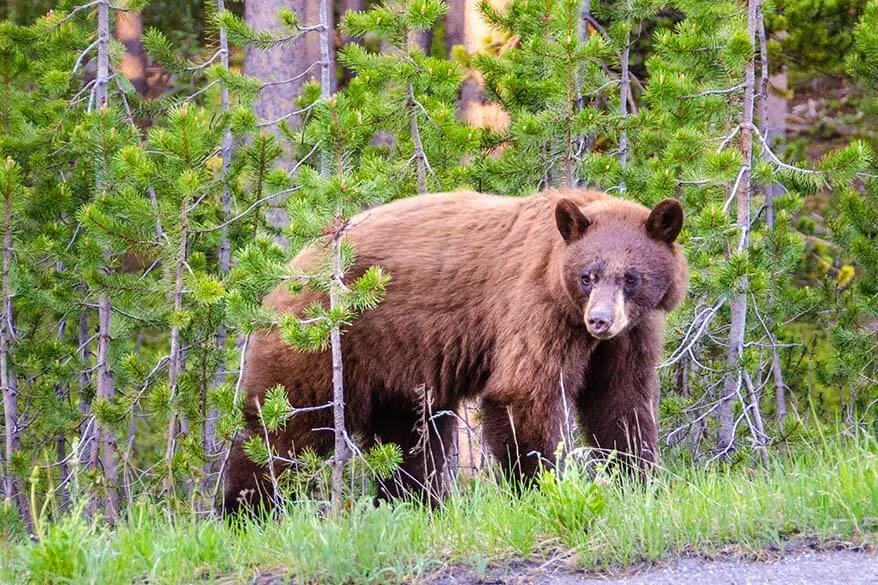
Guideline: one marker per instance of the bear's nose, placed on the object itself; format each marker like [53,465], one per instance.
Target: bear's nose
[599,322]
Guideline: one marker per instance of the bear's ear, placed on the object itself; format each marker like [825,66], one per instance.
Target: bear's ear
[570,220]
[665,221]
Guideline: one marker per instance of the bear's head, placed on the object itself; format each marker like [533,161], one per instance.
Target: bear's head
[620,261]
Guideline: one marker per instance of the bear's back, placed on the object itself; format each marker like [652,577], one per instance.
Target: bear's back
[459,245]
[463,224]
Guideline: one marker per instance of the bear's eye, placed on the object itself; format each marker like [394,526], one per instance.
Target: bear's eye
[632,280]
[589,279]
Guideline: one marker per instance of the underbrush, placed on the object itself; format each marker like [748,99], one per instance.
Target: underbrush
[823,494]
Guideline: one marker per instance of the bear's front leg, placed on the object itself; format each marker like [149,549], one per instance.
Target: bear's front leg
[618,400]
[246,487]
[522,434]
[427,443]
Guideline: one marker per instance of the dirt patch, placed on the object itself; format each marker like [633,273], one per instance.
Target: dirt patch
[848,567]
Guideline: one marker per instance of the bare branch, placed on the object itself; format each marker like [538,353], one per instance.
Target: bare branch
[76,11]
[708,92]
[293,78]
[246,211]
[220,53]
[82,56]
[287,116]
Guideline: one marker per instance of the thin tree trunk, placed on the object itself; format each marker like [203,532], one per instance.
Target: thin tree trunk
[60,439]
[103,446]
[225,251]
[325,74]
[574,91]
[583,143]
[624,96]
[102,78]
[421,163]
[762,97]
[418,146]
[341,451]
[768,131]
[780,401]
[738,304]
[103,455]
[88,430]
[83,339]
[175,366]
[7,377]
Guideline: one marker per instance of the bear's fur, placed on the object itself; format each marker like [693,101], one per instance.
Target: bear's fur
[486,300]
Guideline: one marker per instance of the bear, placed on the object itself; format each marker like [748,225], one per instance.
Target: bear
[529,304]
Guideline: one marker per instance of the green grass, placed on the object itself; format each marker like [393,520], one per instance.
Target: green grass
[824,494]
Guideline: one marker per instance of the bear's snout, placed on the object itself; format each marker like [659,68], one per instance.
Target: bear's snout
[599,322]
[605,314]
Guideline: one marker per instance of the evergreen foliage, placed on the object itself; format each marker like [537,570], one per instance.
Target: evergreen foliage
[818,33]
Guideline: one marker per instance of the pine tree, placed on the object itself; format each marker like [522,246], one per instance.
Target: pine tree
[760,256]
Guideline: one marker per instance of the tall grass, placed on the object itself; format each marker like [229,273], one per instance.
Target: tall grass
[827,493]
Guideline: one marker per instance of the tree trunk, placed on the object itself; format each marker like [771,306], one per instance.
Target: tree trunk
[757,427]
[224,261]
[585,142]
[84,343]
[772,122]
[61,393]
[738,305]
[418,146]
[465,26]
[279,63]
[341,451]
[175,366]
[8,382]
[103,446]
[103,454]
[285,61]
[624,96]
[102,77]
[129,30]
[326,71]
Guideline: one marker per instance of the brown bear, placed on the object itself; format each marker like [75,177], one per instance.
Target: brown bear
[487,300]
